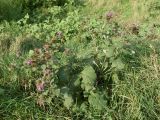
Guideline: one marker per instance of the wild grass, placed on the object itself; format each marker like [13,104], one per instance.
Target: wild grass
[128,11]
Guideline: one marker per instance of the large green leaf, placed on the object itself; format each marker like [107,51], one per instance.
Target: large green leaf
[68,101]
[109,52]
[88,78]
[117,64]
[31,53]
[89,75]
[96,101]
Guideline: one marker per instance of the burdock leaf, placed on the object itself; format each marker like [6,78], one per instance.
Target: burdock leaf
[88,78]
[68,101]
[96,101]
[117,64]
[89,75]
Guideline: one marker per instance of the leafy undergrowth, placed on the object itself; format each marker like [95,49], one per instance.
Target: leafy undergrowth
[58,62]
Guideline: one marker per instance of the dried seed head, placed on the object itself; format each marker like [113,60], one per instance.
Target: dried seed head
[59,34]
[46,72]
[46,46]
[37,51]
[40,101]
[135,29]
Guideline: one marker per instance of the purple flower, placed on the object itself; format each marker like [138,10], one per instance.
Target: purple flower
[109,15]
[29,62]
[40,86]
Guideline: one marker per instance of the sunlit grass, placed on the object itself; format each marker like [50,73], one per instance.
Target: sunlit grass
[127,10]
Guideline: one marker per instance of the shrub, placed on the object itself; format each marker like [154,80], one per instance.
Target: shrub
[78,65]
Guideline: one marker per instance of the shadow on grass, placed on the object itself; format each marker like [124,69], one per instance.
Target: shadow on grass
[30,44]
[135,52]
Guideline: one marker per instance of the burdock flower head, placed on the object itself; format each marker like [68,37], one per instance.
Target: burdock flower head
[40,86]
[29,62]
[109,15]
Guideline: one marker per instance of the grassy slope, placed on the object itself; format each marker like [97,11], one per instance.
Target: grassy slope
[138,93]
[141,86]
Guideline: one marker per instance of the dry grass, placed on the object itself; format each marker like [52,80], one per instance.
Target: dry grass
[133,11]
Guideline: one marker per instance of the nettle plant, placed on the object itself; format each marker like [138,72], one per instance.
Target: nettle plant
[80,70]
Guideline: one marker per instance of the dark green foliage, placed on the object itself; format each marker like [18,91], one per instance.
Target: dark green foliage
[10,9]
